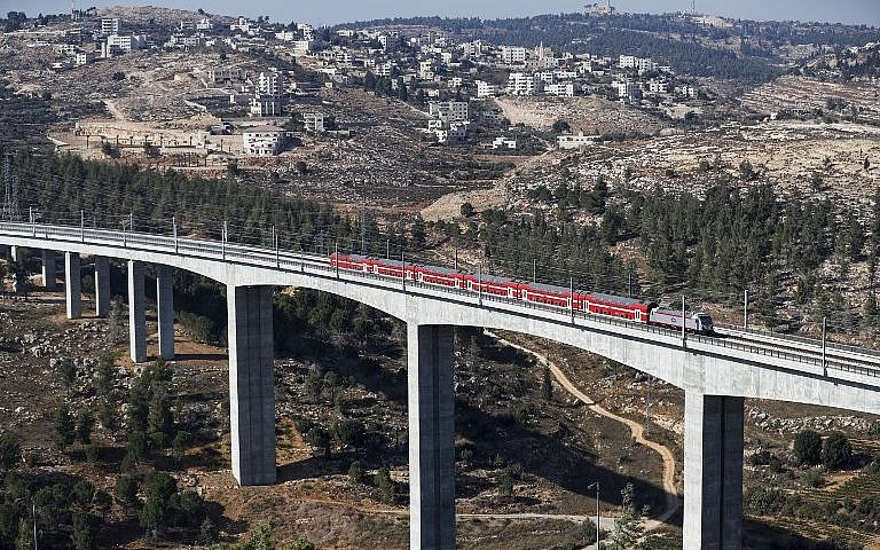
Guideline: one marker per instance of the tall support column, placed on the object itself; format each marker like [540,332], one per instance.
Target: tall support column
[431,407]
[102,286]
[713,463]
[50,270]
[165,307]
[137,321]
[72,285]
[251,384]
[14,253]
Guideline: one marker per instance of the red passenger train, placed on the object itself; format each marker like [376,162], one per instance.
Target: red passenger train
[596,303]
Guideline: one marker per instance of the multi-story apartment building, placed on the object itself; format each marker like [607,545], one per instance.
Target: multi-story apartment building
[513,55]
[109,25]
[314,123]
[627,90]
[484,89]
[449,112]
[270,83]
[562,89]
[263,141]
[521,84]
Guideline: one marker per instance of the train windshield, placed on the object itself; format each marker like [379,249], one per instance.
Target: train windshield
[706,322]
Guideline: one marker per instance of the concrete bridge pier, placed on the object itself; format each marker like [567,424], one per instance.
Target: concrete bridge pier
[251,384]
[713,472]
[431,408]
[72,285]
[102,286]
[137,321]
[49,270]
[165,308]
[14,253]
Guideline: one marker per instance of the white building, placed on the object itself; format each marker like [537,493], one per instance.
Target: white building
[82,59]
[472,49]
[270,83]
[561,89]
[109,25]
[241,24]
[302,47]
[205,25]
[117,43]
[502,142]
[455,133]
[575,141]
[513,55]
[449,112]
[521,84]
[383,69]
[426,69]
[262,105]
[626,89]
[456,82]
[642,64]
[658,86]
[314,123]
[484,89]
[263,141]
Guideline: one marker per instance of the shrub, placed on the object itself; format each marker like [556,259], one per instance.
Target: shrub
[808,447]
[764,501]
[85,421]
[10,451]
[836,452]
[93,453]
[301,543]
[208,532]
[201,328]
[814,479]
[126,491]
[385,484]
[356,472]
[64,427]
[761,458]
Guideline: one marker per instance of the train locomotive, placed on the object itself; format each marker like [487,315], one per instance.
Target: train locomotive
[594,303]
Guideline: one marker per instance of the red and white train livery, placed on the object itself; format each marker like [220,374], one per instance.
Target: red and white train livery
[595,303]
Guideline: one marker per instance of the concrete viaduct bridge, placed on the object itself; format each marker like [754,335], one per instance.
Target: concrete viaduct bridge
[717,374]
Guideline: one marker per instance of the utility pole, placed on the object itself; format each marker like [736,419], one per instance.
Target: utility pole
[363,231]
[480,284]
[824,332]
[746,309]
[683,323]
[598,519]
[10,184]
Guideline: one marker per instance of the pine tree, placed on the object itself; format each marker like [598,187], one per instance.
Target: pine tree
[64,427]
[628,528]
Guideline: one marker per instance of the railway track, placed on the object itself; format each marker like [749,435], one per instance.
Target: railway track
[863,359]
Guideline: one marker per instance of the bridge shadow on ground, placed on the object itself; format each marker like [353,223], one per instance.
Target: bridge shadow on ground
[498,440]
[763,536]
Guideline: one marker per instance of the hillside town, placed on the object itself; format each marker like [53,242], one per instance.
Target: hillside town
[568,281]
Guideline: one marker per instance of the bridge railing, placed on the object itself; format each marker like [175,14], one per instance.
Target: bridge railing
[298,260]
[831,345]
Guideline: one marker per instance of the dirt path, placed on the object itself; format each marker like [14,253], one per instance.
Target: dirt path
[638,431]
